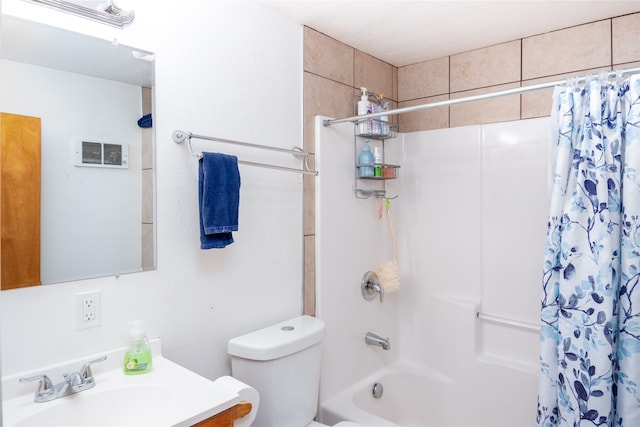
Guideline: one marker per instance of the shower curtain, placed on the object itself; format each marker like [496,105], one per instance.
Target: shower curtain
[590,335]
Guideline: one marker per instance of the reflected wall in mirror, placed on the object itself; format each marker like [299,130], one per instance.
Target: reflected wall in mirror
[94,221]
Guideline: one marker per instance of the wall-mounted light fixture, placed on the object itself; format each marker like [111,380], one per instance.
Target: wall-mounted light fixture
[107,12]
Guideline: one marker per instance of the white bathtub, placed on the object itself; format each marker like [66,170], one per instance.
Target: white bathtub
[416,396]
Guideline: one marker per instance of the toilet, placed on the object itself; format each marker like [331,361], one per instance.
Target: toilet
[282,362]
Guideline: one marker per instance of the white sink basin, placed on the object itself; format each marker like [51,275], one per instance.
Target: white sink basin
[143,405]
[169,395]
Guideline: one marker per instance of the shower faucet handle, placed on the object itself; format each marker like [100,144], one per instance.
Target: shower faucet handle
[370,286]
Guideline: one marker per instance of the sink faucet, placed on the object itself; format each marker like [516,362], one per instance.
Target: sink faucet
[373,339]
[74,382]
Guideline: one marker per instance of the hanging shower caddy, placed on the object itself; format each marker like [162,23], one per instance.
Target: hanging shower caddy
[378,130]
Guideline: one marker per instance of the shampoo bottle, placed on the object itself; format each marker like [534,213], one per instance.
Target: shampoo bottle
[364,107]
[365,161]
[377,158]
[137,359]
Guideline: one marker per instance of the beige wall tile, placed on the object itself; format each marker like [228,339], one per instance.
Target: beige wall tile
[323,97]
[435,118]
[627,66]
[626,38]
[393,118]
[538,103]
[394,95]
[309,292]
[484,67]
[493,110]
[422,80]
[309,200]
[375,75]
[328,57]
[147,196]
[148,253]
[146,148]
[147,103]
[569,50]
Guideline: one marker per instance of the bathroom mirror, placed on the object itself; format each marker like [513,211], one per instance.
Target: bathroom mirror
[84,98]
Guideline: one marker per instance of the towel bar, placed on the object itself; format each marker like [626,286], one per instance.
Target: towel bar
[179,137]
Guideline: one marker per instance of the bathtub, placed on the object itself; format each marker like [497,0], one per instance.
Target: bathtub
[416,396]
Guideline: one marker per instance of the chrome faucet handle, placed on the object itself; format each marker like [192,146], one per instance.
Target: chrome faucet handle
[45,386]
[85,372]
[380,290]
[370,286]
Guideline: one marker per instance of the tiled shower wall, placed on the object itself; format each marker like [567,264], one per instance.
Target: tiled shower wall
[333,72]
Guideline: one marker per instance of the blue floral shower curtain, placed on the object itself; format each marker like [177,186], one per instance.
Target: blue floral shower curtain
[590,336]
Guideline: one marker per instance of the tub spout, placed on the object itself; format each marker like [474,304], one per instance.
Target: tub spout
[373,339]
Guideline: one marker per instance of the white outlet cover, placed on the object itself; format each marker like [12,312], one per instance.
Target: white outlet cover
[88,309]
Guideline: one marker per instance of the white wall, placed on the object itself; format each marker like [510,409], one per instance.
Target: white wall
[473,225]
[470,221]
[90,217]
[350,240]
[227,69]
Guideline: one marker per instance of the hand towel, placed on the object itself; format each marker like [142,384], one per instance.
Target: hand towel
[219,198]
[145,121]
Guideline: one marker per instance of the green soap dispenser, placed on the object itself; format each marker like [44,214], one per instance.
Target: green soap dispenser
[137,359]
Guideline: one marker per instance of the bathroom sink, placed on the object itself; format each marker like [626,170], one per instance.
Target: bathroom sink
[143,405]
[169,395]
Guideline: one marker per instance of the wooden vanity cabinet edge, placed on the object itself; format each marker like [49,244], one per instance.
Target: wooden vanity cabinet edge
[226,418]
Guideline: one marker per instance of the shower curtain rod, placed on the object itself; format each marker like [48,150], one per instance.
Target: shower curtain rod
[329,122]
[180,136]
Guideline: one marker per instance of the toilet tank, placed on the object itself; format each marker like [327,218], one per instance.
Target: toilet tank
[282,362]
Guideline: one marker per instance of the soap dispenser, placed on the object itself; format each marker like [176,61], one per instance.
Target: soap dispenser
[365,161]
[137,359]
[364,107]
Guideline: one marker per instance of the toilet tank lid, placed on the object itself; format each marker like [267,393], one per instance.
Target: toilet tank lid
[278,340]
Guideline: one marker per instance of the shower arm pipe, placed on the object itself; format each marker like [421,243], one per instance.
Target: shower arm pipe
[510,322]
[514,91]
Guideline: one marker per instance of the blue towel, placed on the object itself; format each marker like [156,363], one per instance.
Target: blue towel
[219,197]
[145,121]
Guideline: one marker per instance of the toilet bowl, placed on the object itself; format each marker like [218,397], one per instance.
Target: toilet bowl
[282,362]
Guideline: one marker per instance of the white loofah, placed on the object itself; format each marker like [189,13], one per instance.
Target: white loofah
[389,277]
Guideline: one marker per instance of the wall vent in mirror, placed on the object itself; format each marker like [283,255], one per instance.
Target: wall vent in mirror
[104,11]
[101,154]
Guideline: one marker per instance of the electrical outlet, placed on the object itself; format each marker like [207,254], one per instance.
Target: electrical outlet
[87,309]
